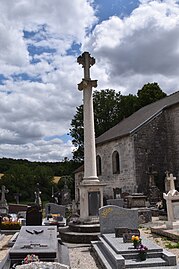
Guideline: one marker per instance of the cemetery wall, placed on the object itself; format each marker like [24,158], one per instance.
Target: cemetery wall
[125,180]
[150,145]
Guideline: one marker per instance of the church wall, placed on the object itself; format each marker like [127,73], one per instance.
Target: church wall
[150,143]
[125,180]
[172,119]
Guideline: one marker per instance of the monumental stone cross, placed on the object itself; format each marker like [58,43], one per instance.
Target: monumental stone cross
[91,190]
[89,135]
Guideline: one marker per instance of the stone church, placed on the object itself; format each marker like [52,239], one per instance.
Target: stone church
[146,143]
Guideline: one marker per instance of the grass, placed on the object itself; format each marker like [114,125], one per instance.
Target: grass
[170,246]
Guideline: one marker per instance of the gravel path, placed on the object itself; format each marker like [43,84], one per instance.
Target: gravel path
[80,258]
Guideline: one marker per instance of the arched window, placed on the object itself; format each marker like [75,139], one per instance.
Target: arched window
[98,164]
[115,163]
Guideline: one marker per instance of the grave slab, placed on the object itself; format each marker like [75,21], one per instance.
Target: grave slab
[38,240]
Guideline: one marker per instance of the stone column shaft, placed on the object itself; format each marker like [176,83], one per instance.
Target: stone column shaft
[89,136]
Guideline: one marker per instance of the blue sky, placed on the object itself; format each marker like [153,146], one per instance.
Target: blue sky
[133,41]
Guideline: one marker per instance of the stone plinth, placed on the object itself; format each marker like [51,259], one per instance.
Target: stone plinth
[91,199]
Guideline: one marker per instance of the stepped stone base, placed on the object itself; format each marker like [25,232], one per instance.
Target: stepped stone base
[112,253]
[80,233]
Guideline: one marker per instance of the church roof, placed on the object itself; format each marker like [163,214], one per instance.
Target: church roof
[137,119]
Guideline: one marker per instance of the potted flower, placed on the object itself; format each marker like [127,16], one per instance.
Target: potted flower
[136,241]
[142,252]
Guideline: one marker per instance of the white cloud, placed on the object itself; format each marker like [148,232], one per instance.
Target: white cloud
[39,100]
[140,48]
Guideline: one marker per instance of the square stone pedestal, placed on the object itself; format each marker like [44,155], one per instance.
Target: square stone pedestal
[91,199]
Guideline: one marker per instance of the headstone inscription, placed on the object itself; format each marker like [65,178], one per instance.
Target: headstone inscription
[112,216]
[33,215]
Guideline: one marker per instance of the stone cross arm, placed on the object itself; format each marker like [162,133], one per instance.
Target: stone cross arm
[86,61]
[171,179]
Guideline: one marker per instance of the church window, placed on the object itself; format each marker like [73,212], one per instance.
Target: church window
[116,162]
[98,164]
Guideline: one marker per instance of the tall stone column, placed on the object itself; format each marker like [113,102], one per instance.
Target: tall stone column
[89,134]
[90,188]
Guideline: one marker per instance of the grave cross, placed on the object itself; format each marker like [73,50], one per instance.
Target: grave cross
[151,174]
[3,191]
[37,196]
[171,179]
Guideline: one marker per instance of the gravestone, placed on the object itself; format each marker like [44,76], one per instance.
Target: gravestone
[154,195]
[38,200]
[3,203]
[111,217]
[65,195]
[33,215]
[51,208]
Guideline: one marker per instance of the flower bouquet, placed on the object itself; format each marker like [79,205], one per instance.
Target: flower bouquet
[30,258]
[136,241]
[142,252]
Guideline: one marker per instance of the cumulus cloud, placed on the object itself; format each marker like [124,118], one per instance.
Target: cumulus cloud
[140,48]
[38,91]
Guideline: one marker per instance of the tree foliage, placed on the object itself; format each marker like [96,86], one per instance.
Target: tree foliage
[21,177]
[110,108]
[150,93]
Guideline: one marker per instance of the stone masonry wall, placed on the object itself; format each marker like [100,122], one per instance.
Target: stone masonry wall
[150,143]
[125,180]
[172,120]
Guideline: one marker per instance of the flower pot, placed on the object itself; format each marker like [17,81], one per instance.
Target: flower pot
[136,244]
[143,255]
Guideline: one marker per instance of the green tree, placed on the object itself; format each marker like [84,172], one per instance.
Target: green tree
[106,110]
[23,179]
[18,179]
[149,93]
[128,105]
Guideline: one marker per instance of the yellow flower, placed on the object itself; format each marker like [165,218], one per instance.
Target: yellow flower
[135,238]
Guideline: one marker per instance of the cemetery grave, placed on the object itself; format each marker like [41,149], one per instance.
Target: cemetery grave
[40,242]
[115,250]
[55,215]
